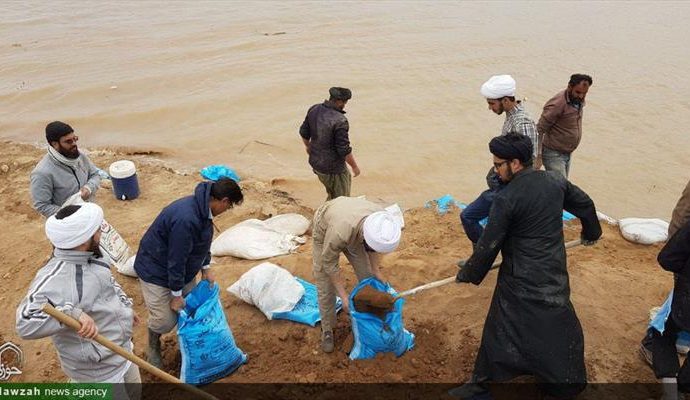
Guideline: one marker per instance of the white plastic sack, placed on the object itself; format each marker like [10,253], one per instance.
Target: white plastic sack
[112,245]
[270,288]
[254,240]
[644,230]
[127,268]
[603,217]
[294,224]
[397,213]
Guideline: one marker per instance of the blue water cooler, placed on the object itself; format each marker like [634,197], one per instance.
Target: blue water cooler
[123,174]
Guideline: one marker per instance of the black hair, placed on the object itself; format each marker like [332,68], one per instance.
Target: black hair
[340,93]
[226,187]
[67,211]
[57,129]
[575,79]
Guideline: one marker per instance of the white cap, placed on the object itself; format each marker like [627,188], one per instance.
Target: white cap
[498,86]
[381,231]
[76,229]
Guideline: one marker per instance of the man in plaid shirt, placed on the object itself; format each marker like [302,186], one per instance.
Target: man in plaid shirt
[499,92]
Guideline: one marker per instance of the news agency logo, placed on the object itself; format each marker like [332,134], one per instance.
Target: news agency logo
[11,361]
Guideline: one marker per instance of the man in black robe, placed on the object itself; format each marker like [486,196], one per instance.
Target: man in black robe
[531,327]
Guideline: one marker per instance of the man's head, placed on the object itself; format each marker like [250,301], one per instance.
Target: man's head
[225,194]
[578,86]
[512,153]
[339,96]
[62,138]
[381,231]
[499,91]
[76,227]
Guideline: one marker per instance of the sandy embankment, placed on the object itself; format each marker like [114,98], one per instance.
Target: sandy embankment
[613,286]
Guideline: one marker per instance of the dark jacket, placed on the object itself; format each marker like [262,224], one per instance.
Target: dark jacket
[675,257]
[326,128]
[177,244]
[531,327]
[560,124]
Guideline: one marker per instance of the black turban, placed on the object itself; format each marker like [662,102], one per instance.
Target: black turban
[340,93]
[55,130]
[512,146]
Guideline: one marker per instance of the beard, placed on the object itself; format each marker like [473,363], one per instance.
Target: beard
[509,175]
[95,248]
[69,153]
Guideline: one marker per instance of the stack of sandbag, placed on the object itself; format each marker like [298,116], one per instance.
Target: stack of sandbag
[254,239]
[112,245]
[278,294]
[208,348]
[644,230]
[378,332]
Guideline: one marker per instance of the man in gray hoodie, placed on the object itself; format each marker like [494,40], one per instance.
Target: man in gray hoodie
[62,172]
[78,283]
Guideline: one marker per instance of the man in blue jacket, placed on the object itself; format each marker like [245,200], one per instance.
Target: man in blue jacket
[173,251]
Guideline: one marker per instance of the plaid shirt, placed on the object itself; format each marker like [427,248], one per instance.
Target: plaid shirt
[518,121]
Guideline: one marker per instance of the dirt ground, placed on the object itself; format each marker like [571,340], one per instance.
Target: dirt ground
[614,284]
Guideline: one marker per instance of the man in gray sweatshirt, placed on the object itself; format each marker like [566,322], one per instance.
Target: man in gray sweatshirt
[78,283]
[62,172]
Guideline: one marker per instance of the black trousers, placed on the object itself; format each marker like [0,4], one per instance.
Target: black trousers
[665,357]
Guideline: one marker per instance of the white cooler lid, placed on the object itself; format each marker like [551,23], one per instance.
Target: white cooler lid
[122,169]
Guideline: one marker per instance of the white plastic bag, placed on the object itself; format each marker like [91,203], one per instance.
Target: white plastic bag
[609,220]
[644,230]
[127,268]
[253,239]
[270,288]
[294,224]
[397,213]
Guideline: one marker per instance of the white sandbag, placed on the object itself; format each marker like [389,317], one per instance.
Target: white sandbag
[603,217]
[644,230]
[397,213]
[294,224]
[112,245]
[270,288]
[254,240]
[127,268]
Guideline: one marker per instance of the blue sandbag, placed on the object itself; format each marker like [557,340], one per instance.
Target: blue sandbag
[215,172]
[306,311]
[208,349]
[373,335]
[659,324]
[442,203]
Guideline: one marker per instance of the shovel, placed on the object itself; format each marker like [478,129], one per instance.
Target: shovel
[431,285]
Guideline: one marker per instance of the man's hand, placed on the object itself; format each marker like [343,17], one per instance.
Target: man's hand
[85,192]
[208,275]
[88,329]
[586,242]
[355,171]
[346,305]
[177,303]
[537,163]
[137,319]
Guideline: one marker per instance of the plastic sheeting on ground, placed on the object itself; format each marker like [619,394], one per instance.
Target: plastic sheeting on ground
[306,311]
[644,230]
[208,348]
[373,335]
[270,288]
[215,172]
[254,239]
[657,320]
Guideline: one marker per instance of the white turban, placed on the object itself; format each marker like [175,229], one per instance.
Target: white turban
[498,86]
[381,231]
[76,229]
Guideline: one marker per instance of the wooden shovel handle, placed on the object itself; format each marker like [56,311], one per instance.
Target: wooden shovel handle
[76,325]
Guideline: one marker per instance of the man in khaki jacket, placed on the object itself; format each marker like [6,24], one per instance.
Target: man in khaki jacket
[361,230]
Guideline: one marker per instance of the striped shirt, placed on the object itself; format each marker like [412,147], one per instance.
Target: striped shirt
[518,121]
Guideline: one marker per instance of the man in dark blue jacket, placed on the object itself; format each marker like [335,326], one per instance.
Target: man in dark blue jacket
[173,251]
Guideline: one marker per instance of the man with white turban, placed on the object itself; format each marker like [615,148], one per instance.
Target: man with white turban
[359,229]
[499,92]
[79,283]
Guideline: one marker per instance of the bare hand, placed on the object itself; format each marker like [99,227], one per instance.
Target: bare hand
[177,303]
[88,327]
[537,163]
[208,275]
[346,305]
[137,319]
[85,193]
[355,171]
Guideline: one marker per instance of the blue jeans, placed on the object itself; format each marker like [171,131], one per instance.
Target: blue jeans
[556,161]
[475,212]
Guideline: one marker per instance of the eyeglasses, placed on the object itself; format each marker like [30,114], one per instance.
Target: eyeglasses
[497,165]
[74,140]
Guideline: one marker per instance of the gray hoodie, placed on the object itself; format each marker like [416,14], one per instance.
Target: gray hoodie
[74,282]
[52,183]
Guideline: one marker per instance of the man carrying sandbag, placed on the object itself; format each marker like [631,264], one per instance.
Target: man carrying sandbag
[79,283]
[359,229]
[531,327]
[173,251]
